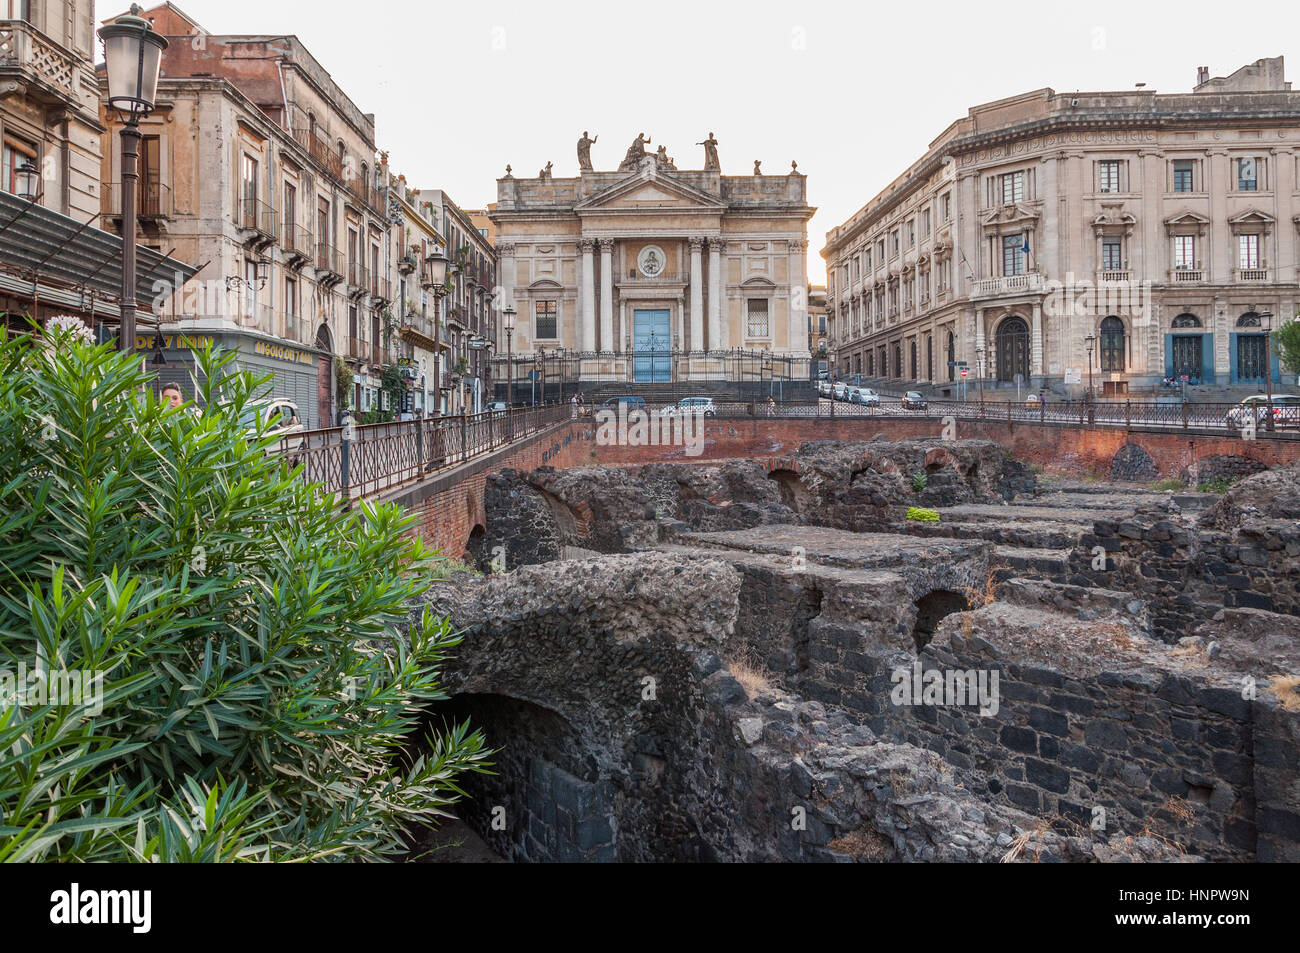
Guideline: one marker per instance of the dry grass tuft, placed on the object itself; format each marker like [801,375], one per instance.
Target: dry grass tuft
[979,598]
[864,844]
[751,673]
[1287,690]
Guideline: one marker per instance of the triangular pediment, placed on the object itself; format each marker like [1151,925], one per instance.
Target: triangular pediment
[1252,216]
[1008,214]
[650,191]
[1187,218]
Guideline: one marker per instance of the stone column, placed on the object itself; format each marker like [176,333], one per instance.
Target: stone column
[587,312]
[797,313]
[979,344]
[718,336]
[607,342]
[697,295]
[506,272]
[1036,342]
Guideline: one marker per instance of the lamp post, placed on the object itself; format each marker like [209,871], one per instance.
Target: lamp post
[1088,342]
[435,264]
[132,57]
[1266,322]
[508,325]
[979,366]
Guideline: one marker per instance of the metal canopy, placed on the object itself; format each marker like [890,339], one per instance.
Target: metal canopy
[61,255]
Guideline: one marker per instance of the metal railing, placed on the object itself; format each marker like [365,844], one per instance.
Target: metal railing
[255,215]
[384,457]
[1128,414]
[152,200]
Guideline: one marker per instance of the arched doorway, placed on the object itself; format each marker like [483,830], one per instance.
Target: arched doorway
[324,378]
[1013,349]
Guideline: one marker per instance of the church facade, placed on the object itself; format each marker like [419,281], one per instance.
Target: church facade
[648,274]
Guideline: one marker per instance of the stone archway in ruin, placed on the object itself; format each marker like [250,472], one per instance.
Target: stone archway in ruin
[545,800]
[931,609]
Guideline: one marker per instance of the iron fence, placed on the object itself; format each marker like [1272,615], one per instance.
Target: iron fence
[383,457]
[1128,414]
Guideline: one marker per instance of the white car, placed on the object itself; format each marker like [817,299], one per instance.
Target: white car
[838,390]
[1256,406]
[273,417]
[691,405]
[865,396]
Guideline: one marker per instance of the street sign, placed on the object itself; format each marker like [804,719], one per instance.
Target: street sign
[964,372]
[1073,375]
[476,343]
[956,363]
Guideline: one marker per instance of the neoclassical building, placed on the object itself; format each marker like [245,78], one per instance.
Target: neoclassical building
[649,274]
[1134,235]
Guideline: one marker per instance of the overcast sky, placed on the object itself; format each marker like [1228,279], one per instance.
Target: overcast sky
[854,93]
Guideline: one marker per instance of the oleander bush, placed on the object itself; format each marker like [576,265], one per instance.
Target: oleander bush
[254,696]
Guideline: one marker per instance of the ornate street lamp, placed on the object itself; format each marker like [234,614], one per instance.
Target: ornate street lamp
[508,325]
[27,180]
[132,57]
[435,264]
[1088,342]
[1266,322]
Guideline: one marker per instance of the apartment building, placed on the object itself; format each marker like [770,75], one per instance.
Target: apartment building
[258,167]
[1049,239]
[471,306]
[422,319]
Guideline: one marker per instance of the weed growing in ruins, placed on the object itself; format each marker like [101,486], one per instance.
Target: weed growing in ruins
[922,515]
[1287,690]
[919,481]
[979,598]
[1163,486]
[1219,486]
[750,672]
[865,844]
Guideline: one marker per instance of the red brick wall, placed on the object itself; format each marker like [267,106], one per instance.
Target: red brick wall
[450,505]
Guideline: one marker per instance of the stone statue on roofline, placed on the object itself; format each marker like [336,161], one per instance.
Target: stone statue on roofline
[635,153]
[584,151]
[711,163]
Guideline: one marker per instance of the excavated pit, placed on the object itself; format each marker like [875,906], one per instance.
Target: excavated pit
[746,673]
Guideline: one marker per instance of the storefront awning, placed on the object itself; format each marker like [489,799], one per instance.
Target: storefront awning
[56,260]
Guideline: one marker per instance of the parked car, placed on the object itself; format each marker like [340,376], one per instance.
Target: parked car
[865,396]
[496,407]
[273,417]
[824,388]
[630,401]
[913,400]
[692,405]
[1285,406]
[838,390]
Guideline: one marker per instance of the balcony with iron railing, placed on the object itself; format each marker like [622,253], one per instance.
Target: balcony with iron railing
[297,242]
[256,218]
[153,200]
[328,263]
[358,276]
[327,155]
[380,288]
